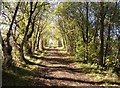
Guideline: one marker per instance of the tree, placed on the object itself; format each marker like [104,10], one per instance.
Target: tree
[8,47]
[0,46]
[102,18]
[25,38]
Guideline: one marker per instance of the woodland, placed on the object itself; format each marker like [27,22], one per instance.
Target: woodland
[60,43]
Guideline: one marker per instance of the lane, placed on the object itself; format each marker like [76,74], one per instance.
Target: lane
[60,71]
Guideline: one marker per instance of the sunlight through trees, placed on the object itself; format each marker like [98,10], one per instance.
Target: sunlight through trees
[47,34]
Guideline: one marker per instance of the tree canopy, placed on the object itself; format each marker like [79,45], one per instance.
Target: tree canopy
[86,32]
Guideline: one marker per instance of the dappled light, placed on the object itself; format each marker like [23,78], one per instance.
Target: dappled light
[60,44]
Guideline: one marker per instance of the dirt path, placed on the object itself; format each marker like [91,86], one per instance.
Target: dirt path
[59,70]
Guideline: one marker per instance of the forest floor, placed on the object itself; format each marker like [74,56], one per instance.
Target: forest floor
[57,69]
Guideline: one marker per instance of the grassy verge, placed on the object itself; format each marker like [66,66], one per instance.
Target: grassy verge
[97,74]
[17,76]
[20,74]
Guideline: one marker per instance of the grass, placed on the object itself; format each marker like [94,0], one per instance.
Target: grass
[10,79]
[17,77]
[38,61]
[97,74]
[21,74]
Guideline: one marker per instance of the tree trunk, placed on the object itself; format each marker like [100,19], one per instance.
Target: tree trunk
[38,42]
[96,35]
[64,44]
[0,49]
[86,42]
[30,34]
[107,50]
[42,46]
[26,30]
[35,39]
[101,52]
[8,55]
[118,56]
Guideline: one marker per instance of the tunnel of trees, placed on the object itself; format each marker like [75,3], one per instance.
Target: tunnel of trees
[86,33]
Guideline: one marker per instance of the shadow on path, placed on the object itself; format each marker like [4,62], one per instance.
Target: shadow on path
[62,71]
[81,81]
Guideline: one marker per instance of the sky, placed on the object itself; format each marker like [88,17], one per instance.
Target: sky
[61,0]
